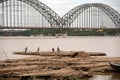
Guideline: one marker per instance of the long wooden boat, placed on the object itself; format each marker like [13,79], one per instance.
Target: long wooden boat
[115,65]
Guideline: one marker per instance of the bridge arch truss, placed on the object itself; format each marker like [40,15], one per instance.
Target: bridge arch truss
[44,10]
[70,17]
[54,20]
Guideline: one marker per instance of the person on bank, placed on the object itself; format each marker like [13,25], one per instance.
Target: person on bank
[38,49]
[53,50]
[26,50]
[58,49]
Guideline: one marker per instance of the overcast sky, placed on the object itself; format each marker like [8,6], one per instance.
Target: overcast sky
[63,6]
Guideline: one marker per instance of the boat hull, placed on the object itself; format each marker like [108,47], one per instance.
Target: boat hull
[115,65]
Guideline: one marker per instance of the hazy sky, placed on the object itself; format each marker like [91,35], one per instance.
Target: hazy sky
[63,6]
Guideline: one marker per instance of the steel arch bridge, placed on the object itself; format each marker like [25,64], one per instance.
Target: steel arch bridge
[43,9]
[77,17]
[69,17]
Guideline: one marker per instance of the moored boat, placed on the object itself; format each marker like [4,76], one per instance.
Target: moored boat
[115,65]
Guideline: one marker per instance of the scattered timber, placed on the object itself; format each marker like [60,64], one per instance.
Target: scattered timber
[56,65]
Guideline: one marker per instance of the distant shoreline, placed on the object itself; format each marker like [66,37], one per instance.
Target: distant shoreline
[49,36]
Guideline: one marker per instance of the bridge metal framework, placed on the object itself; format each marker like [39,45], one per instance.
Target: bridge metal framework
[43,9]
[69,17]
[66,21]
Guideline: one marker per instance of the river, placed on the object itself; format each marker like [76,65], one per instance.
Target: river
[107,44]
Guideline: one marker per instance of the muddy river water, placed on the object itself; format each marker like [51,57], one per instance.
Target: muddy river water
[107,44]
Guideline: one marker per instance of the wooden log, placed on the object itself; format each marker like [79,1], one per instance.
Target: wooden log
[60,53]
[55,66]
[96,54]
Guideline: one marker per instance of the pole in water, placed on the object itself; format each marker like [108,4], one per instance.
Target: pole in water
[5,54]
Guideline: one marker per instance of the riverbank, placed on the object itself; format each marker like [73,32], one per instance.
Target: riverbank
[53,31]
[57,66]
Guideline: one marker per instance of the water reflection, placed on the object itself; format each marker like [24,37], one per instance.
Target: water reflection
[107,76]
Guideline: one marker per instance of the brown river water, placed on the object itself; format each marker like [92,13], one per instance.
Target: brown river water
[107,44]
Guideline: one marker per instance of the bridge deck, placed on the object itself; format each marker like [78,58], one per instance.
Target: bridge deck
[8,27]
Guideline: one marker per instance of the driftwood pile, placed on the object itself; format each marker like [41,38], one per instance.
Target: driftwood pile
[78,64]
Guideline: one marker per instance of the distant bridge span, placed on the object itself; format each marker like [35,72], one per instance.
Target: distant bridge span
[69,17]
[25,14]
[43,9]
[58,28]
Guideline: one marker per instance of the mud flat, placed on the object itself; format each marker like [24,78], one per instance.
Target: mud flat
[56,65]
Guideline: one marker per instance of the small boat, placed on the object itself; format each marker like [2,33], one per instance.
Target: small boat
[115,65]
